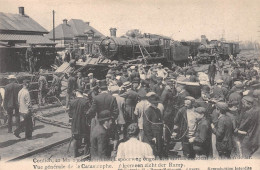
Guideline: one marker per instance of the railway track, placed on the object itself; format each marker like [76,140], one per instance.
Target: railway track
[51,129]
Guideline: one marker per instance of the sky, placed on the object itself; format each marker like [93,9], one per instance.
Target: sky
[179,19]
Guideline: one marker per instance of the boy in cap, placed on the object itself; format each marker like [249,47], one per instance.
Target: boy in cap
[11,101]
[133,148]
[100,149]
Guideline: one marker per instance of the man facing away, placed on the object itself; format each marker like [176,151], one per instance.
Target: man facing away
[24,101]
[11,101]
[79,126]
[133,148]
[100,149]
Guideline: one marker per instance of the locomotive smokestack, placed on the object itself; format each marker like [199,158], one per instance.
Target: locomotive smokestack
[113,32]
[21,11]
[65,21]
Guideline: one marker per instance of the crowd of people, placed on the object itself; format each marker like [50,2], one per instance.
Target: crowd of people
[144,110]
[138,105]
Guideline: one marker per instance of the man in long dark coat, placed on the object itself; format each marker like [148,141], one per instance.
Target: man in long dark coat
[101,102]
[80,124]
[153,125]
[170,109]
[11,101]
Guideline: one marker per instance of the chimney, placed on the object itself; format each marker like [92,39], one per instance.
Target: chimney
[113,32]
[21,11]
[65,21]
[203,39]
[87,23]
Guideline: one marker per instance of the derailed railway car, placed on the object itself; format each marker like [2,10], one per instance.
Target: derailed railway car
[152,49]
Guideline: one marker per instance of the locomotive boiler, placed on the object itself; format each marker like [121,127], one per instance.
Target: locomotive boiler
[153,49]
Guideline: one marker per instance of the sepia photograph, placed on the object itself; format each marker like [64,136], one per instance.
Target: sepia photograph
[130,84]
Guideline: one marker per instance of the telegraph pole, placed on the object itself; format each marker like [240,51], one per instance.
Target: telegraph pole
[53,24]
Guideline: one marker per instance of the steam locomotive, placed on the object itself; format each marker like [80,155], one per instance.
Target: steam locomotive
[214,50]
[151,48]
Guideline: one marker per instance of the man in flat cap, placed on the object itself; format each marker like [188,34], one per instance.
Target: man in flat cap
[80,128]
[224,131]
[159,87]
[236,95]
[100,149]
[134,148]
[218,91]
[11,101]
[153,125]
[24,101]
[202,137]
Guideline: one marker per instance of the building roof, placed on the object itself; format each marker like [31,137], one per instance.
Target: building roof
[73,28]
[17,22]
[28,39]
